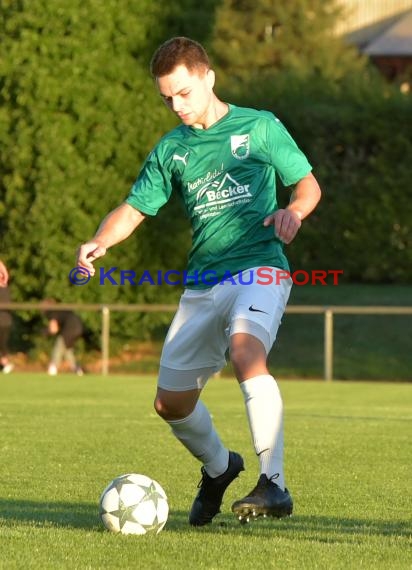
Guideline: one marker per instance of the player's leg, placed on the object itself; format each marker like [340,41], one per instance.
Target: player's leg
[263,402]
[70,339]
[71,359]
[252,335]
[6,365]
[57,354]
[189,418]
[264,409]
[192,425]
[193,351]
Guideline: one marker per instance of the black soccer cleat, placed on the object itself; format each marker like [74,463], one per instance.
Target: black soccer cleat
[267,499]
[211,490]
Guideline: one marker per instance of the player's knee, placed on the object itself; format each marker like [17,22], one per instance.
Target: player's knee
[241,357]
[248,358]
[160,407]
[169,410]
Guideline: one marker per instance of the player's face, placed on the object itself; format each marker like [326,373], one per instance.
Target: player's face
[188,94]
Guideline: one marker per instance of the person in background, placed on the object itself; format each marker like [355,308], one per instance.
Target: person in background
[6,321]
[68,328]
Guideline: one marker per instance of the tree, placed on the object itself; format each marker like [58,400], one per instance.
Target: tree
[78,115]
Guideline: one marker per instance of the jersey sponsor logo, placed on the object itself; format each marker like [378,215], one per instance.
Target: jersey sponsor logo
[226,191]
[204,180]
[182,158]
[240,146]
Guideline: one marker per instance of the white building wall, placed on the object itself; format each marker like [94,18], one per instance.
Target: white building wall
[362,13]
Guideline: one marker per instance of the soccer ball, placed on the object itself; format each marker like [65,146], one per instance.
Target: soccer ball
[134,504]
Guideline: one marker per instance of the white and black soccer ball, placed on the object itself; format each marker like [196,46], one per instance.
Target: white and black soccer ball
[134,504]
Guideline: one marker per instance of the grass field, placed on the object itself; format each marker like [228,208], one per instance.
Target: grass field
[63,439]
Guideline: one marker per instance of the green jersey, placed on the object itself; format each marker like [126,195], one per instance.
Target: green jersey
[226,177]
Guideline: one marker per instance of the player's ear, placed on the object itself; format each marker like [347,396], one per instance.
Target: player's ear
[210,76]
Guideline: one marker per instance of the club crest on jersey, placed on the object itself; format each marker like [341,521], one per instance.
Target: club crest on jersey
[240,145]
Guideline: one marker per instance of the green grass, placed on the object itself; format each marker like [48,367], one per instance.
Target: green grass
[63,439]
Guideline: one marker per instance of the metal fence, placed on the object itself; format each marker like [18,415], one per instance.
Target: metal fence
[106,310]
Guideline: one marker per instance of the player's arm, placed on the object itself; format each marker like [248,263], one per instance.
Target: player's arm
[304,198]
[116,227]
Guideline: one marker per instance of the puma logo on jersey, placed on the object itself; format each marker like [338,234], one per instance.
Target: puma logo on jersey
[182,158]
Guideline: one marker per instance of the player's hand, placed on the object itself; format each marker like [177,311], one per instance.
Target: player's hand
[286,224]
[88,253]
[4,275]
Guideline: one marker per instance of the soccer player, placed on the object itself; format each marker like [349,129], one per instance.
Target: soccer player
[222,160]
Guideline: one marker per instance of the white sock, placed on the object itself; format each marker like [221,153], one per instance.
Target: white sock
[198,435]
[265,414]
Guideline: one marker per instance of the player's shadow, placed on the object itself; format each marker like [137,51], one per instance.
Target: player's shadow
[311,528]
[73,515]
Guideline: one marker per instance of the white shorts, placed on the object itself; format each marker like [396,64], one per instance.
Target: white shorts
[199,335]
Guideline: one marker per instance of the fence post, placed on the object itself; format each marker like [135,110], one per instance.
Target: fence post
[105,339]
[328,345]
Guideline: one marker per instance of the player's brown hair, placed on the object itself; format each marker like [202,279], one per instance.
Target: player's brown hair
[178,51]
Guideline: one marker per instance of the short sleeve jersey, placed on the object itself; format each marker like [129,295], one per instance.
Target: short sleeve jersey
[226,178]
